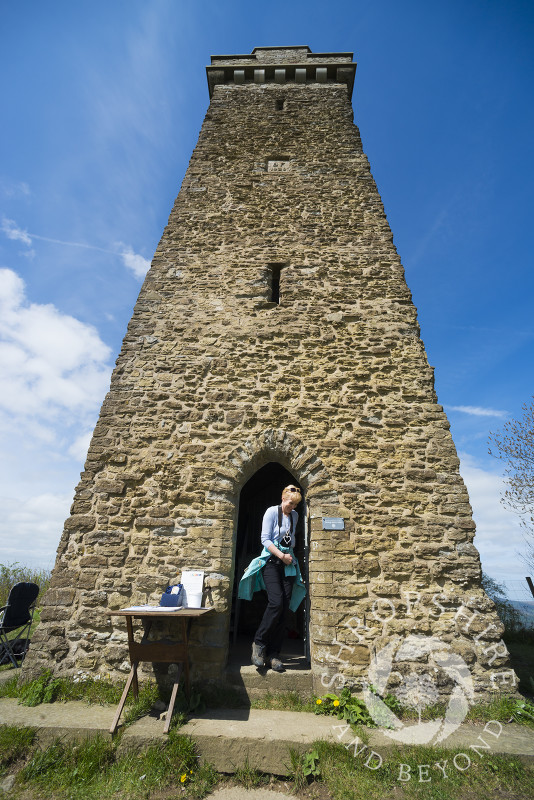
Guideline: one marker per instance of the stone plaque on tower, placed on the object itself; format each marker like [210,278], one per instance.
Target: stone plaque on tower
[275,340]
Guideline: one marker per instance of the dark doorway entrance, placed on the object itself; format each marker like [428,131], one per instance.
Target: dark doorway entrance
[264,489]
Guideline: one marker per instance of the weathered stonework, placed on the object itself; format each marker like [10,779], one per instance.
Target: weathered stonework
[216,380]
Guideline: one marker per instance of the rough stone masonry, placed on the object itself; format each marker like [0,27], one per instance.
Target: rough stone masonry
[275,325]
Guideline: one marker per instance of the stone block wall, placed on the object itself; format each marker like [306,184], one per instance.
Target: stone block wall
[214,380]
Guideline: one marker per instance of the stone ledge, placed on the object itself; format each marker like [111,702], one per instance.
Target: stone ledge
[228,737]
[255,683]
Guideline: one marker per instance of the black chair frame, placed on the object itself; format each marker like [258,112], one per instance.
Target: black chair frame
[17,616]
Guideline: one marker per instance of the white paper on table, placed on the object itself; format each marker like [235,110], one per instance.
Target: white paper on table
[152,608]
[193,582]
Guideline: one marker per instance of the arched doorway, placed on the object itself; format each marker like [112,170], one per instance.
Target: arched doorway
[262,490]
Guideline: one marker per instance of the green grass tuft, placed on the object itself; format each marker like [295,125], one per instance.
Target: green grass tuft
[43,689]
[148,695]
[503,709]
[61,765]
[47,689]
[92,770]
[15,743]
[347,777]
[249,777]
[10,688]
[283,701]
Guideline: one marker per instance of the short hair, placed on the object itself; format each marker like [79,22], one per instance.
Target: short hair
[292,492]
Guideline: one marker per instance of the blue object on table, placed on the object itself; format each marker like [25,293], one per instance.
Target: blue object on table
[173,600]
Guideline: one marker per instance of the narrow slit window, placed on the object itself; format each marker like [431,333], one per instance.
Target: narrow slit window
[276,269]
[280,104]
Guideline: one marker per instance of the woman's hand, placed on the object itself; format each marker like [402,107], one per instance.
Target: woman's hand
[286,558]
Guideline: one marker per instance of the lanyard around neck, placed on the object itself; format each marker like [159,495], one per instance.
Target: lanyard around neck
[280,513]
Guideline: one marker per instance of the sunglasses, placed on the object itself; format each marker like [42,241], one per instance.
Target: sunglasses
[293,489]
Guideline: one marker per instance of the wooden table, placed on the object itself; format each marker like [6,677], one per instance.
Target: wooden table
[163,652]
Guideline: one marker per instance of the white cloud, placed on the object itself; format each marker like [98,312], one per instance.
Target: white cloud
[478,411]
[30,528]
[136,263]
[50,363]
[54,373]
[499,537]
[80,446]
[12,231]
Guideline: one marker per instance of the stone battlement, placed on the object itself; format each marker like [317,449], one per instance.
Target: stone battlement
[282,65]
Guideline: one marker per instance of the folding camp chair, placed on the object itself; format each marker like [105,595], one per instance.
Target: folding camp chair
[17,616]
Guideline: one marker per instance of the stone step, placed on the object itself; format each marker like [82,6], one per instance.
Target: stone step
[232,738]
[256,683]
[74,720]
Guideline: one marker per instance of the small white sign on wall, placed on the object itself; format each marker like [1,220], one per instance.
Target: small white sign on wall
[279,166]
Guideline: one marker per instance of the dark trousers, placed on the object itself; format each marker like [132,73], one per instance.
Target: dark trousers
[272,628]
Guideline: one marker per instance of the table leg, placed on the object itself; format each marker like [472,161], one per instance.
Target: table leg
[186,630]
[131,677]
[173,700]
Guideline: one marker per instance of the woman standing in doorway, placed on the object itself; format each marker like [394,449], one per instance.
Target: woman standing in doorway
[277,571]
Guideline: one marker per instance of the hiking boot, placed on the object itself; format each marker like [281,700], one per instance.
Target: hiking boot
[258,655]
[275,664]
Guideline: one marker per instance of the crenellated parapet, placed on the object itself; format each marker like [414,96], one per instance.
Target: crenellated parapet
[282,65]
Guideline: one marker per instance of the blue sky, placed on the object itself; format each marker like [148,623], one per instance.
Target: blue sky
[102,103]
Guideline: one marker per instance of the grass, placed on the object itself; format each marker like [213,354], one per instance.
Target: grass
[249,777]
[346,777]
[46,688]
[14,744]
[502,709]
[284,701]
[96,769]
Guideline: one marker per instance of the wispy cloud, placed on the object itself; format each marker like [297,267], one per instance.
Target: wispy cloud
[14,188]
[135,262]
[478,411]
[12,231]
[437,225]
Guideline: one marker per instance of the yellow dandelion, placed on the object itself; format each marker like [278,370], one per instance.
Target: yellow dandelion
[336,702]
[183,778]
[318,701]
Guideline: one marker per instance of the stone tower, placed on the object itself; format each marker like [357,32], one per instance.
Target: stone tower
[275,340]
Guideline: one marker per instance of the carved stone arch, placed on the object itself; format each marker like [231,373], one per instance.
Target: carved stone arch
[276,444]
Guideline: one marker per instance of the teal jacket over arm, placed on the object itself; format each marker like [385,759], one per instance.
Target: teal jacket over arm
[252,580]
